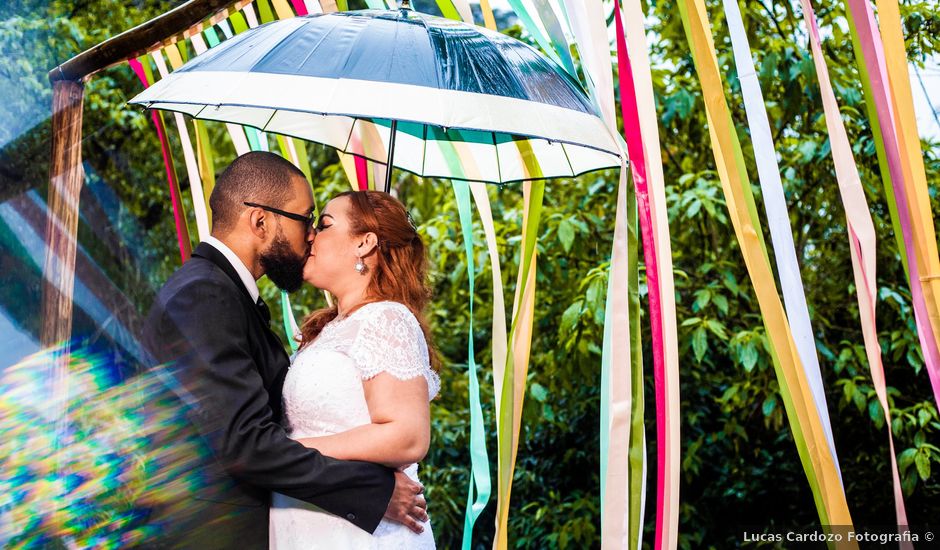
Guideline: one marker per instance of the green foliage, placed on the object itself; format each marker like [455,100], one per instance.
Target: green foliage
[739,464]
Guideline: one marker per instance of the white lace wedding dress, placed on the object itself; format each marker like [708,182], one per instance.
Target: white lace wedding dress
[323,395]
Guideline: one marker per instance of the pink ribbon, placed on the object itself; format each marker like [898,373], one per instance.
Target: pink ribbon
[299,7]
[362,172]
[873,52]
[182,233]
[634,139]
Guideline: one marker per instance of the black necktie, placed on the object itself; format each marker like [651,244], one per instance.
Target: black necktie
[263,309]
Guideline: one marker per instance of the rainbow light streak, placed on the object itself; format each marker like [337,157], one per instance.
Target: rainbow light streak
[126,451]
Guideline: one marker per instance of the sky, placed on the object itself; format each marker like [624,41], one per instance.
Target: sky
[927,108]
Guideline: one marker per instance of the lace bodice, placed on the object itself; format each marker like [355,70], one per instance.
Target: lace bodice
[381,337]
[323,395]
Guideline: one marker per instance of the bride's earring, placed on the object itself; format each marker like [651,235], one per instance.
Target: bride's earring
[360,266]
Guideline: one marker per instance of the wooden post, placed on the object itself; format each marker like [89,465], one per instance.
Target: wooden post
[65,183]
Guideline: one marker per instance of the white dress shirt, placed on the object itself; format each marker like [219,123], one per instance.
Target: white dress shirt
[243,273]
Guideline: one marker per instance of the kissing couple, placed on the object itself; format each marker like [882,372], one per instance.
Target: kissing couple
[317,450]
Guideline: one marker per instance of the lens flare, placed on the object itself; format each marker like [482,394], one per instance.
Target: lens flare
[96,477]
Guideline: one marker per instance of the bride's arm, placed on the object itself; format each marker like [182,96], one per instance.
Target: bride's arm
[400,432]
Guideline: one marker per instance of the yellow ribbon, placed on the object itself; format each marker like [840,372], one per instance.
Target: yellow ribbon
[804,418]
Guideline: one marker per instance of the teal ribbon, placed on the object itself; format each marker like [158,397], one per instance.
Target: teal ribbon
[479,462]
[529,23]
[557,35]
[287,314]
[212,38]
[256,139]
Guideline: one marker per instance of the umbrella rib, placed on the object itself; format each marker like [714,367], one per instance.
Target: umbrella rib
[424,155]
[270,118]
[564,149]
[499,168]
[352,128]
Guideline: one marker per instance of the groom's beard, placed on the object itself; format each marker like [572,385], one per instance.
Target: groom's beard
[282,265]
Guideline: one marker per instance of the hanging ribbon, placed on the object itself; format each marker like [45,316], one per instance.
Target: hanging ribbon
[498,325]
[282,9]
[528,22]
[264,11]
[916,225]
[622,434]
[861,243]
[299,7]
[635,35]
[206,160]
[189,157]
[143,71]
[666,418]
[235,132]
[458,10]
[906,127]
[462,165]
[249,14]
[488,20]
[804,418]
[480,487]
[556,34]
[778,218]
[512,391]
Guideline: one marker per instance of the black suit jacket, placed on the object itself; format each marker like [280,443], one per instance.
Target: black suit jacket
[229,368]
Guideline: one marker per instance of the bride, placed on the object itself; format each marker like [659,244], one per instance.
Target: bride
[359,387]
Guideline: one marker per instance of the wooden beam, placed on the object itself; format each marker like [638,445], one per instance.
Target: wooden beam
[65,185]
[137,41]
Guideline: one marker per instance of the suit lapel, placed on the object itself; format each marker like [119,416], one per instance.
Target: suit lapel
[276,370]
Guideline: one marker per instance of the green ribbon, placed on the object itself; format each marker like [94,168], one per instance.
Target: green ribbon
[264,11]
[506,423]
[479,462]
[637,452]
[529,23]
[238,21]
[448,9]
[557,35]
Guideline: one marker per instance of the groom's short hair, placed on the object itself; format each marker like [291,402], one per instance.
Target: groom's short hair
[258,176]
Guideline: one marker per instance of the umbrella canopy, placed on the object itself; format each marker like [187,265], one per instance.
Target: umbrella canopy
[450,90]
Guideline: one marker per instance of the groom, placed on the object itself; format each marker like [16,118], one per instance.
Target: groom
[209,329]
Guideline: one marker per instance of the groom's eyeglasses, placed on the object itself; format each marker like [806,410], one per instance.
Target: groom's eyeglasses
[308,220]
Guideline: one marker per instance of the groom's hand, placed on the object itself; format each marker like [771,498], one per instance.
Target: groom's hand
[408,506]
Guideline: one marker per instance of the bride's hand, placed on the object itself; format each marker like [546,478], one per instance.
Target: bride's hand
[407,505]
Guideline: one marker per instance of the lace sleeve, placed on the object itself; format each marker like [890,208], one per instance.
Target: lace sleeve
[389,339]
